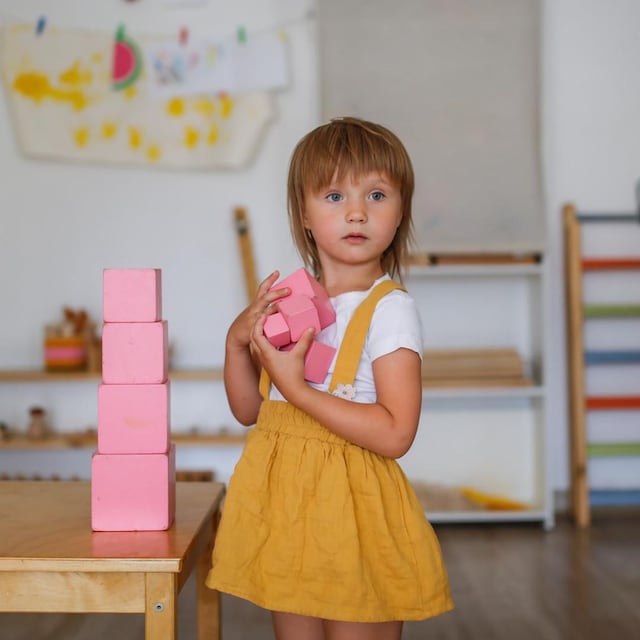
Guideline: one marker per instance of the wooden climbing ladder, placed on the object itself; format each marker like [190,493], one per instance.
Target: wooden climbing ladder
[576,268]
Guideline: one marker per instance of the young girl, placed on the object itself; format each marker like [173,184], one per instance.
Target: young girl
[320,525]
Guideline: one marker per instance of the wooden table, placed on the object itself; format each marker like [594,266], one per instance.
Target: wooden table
[51,561]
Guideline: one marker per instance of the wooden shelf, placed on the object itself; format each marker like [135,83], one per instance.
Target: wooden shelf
[38,375]
[89,441]
[472,270]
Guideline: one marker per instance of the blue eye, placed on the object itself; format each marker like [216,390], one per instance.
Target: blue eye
[334,197]
[377,195]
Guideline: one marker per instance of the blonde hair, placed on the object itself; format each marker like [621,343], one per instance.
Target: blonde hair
[342,147]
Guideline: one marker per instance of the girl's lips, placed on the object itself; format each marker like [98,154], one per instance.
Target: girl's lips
[355,238]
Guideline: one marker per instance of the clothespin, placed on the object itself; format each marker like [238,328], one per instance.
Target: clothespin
[40,25]
[184,36]
[241,34]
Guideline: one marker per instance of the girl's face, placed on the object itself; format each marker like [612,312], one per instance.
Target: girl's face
[353,220]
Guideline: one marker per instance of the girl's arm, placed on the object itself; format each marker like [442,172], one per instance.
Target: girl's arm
[241,371]
[386,427]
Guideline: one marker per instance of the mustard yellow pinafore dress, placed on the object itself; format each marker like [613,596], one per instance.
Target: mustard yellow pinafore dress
[318,526]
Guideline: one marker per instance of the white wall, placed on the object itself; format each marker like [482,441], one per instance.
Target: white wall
[61,224]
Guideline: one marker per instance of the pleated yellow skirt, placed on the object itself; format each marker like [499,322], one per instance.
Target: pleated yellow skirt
[317,526]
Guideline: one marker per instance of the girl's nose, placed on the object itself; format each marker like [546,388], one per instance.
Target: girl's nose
[356,212]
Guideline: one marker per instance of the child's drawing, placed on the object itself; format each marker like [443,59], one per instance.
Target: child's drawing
[60,87]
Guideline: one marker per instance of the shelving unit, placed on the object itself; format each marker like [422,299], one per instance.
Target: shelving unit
[515,415]
[518,411]
[579,267]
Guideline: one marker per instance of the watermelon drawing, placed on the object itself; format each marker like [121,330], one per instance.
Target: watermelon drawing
[127,60]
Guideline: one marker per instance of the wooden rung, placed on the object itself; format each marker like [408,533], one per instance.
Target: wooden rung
[612,357]
[600,403]
[611,310]
[610,264]
[608,217]
[614,497]
[613,449]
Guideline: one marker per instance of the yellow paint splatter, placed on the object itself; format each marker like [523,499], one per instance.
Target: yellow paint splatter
[36,86]
[76,76]
[135,138]
[109,130]
[96,58]
[130,92]
[226,105]
[213,135]
[154,152]
[191,137]
[175,107]
[205,106]
[81,136]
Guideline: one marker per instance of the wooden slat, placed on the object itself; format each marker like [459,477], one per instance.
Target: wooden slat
[603,403]
[575,359]
[627,356]
[611,310]
[608,217]
[614,497]
[610,264]
[613,449]
[246,252]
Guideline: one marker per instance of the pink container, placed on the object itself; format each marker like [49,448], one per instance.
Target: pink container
[133,418]
[131,295]
[135,352]
[133,492]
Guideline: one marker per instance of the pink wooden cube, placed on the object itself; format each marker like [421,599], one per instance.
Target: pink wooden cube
[133,418]
[317,360]
[276,330]
[135,352]
[133,492]
[299,313]
[131,295]
[301,282]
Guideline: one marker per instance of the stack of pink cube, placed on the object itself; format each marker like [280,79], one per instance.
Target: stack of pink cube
[133,470]
[306,306]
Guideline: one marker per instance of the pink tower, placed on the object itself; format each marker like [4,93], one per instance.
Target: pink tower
[133,469]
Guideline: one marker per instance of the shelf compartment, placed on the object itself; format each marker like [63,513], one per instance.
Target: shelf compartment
[627,356]
[610,264]
[613,449]
[614,497]
[605,403]
[612,311]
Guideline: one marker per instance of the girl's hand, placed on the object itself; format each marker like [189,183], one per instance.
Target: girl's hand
[285,368]
[239,334]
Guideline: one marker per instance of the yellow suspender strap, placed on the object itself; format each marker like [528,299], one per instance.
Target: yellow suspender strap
[264,385]
[356,333]
[352,343]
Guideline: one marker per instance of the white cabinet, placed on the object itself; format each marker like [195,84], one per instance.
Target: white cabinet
[491,439]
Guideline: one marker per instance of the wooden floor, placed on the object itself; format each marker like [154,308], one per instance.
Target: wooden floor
[509,582]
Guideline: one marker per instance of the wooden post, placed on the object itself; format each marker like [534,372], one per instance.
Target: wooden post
[575,361]
[246,252]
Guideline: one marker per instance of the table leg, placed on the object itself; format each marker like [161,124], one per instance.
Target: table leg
[208,600]
[161,615]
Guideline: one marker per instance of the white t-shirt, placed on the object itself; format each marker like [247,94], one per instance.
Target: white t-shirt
[395,325]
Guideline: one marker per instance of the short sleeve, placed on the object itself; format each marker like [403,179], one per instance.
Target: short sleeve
[395,325]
